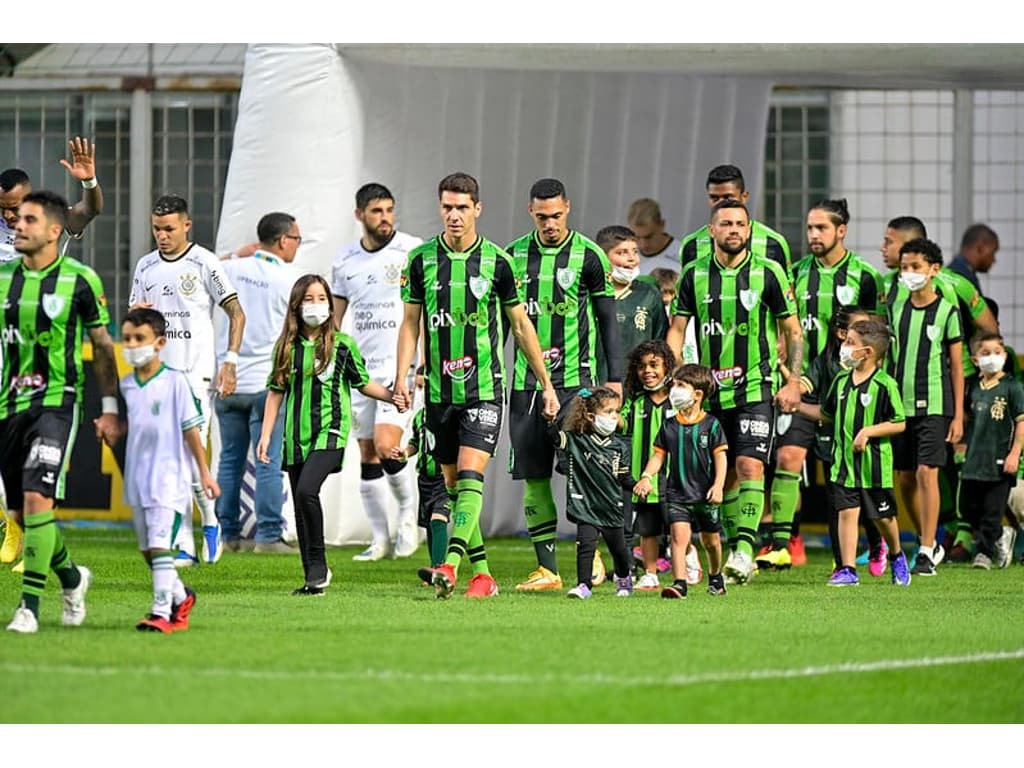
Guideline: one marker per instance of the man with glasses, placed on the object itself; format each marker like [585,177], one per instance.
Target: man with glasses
[366,276]
[183,281]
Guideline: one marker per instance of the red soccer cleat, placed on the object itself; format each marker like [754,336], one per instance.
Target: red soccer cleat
[443,580]
[796,551]
[180,612]
[482,585]
[154,623]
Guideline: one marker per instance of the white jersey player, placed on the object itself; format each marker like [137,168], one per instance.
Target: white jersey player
[184,282]
[365,278]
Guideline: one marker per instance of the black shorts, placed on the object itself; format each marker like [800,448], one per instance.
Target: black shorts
[702,516]
[801,432]
[433,499]
[749,430]
[874,503]
[35,448]
[922,443]
[533,453]
[474,425]
[649,519]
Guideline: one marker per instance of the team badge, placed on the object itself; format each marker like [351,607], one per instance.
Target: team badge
[431,440]
[932,331]
[478,286]
[187,284]
[749,299]
[865,399]
[565,276]
[846,294]
[53,305]
[744,426]
[392,274]
[998,409]
[640,318]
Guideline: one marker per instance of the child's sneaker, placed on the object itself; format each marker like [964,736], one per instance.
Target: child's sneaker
[716,585]
[982,561]
[694,573]
[901,571]
[623,586]
[675,591]
[924,565]
[844,577]
[878,560]
[597,572]
[1004,547]
[579,592]
[663,565]
[74,600]
[648,582]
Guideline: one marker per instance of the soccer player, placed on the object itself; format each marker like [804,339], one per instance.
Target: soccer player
[184,282]
[365,276]
[928,367]
[657,247]
[830,276]
[14,186]
[47,300]
[978,248]
[570,302]
[739,303]
[163,443]
[457,283]
[725,182]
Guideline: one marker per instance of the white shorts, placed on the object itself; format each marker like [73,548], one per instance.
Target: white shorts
[367,413]
[155,526]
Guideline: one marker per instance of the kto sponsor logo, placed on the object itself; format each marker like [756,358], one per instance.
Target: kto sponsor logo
[445,319]
[459,368]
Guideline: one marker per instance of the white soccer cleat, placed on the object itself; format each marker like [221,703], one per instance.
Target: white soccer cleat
[371,554]
[213,543]
[74,600]
[24,622]
[740,567]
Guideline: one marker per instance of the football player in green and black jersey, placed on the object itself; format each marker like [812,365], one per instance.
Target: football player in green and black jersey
[48,301]
[460,284]
[569,299]
[739,302]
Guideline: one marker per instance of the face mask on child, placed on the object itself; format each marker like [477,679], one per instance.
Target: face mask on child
[914,281]
[315,315]
[137,357]
[846,358]
[681,397]
[991,363]
[656,387]
[625,275]
[605,425]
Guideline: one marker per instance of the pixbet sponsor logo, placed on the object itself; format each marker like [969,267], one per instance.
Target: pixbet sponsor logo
[445,319]
[536,308]
[715,328]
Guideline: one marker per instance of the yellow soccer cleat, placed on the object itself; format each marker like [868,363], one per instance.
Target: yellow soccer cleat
[775,560]
[598,573]
[19,568]
[12,541]
[540,580]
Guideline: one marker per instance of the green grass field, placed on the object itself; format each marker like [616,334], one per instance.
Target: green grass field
[379,648]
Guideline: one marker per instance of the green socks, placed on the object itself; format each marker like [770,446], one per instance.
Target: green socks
[437,531]
[466,516]
[730,516]
[785,497]
[41,540]
[751,507]
[542,521]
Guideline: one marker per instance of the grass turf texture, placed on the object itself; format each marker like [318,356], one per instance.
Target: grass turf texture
[379,648]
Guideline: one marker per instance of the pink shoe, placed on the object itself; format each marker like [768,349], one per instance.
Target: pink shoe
[877,565]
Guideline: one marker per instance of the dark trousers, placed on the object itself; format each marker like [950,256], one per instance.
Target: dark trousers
[306,479]
[586,545]
[982,504]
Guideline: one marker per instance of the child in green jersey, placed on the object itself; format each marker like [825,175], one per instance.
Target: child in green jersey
[314,368]
[995,437]
[866,410]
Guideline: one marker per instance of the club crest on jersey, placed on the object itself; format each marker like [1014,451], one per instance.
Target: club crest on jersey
[565,276]
[478,286]
[749,299]
[865,399]
[846,294]
[932,331]
[188,283]
[392,273]
[53,305]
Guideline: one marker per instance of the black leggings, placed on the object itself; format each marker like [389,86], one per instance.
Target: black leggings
[306,479]
[982,504]
[586,545]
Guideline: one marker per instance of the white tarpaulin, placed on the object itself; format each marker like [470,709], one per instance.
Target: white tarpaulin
[317,121]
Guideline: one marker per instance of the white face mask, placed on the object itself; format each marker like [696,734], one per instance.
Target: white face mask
[315,315]
[625,275]
[137,357]
[681,397]
[657,386]
[914,281]
[605,425]
[991,363]
[846,358]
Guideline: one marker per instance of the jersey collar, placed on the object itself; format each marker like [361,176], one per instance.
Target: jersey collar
[552,248]
[268,257]
[451,252]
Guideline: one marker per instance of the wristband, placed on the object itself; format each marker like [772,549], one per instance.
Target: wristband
[90,183]
[110,405]
[231,357]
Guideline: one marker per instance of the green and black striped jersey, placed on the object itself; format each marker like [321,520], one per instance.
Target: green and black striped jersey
[643,418]
[852,407]
[318,407]
[559,283]
[736,311]
[819,290]
[689,449]
[764,243]
[817,380]
[920,353]
[45,313]
[422,443]
[463,296]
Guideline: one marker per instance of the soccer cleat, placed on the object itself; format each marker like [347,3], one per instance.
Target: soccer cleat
[674,592]
[185,560]
[740,567]
[213,543]
[154,623]
[580,592]
[623,586]
[844,577]
[958,553]
[939,554]
[864,557]
[371,554]
[900,571]
[716,585]
[307,590]
[694,573]
[181,611]
[443,580]
[19,568]
[775,560]
[598,573]
[13,536]
[277,547]
[1004,547]
[763,551]
[924,566]
[878,561]
[325,582]
[539,580]
[797,553]
[426,575]
[982,561]
[74,600]
[482,585]
[648,583]
[24,621]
